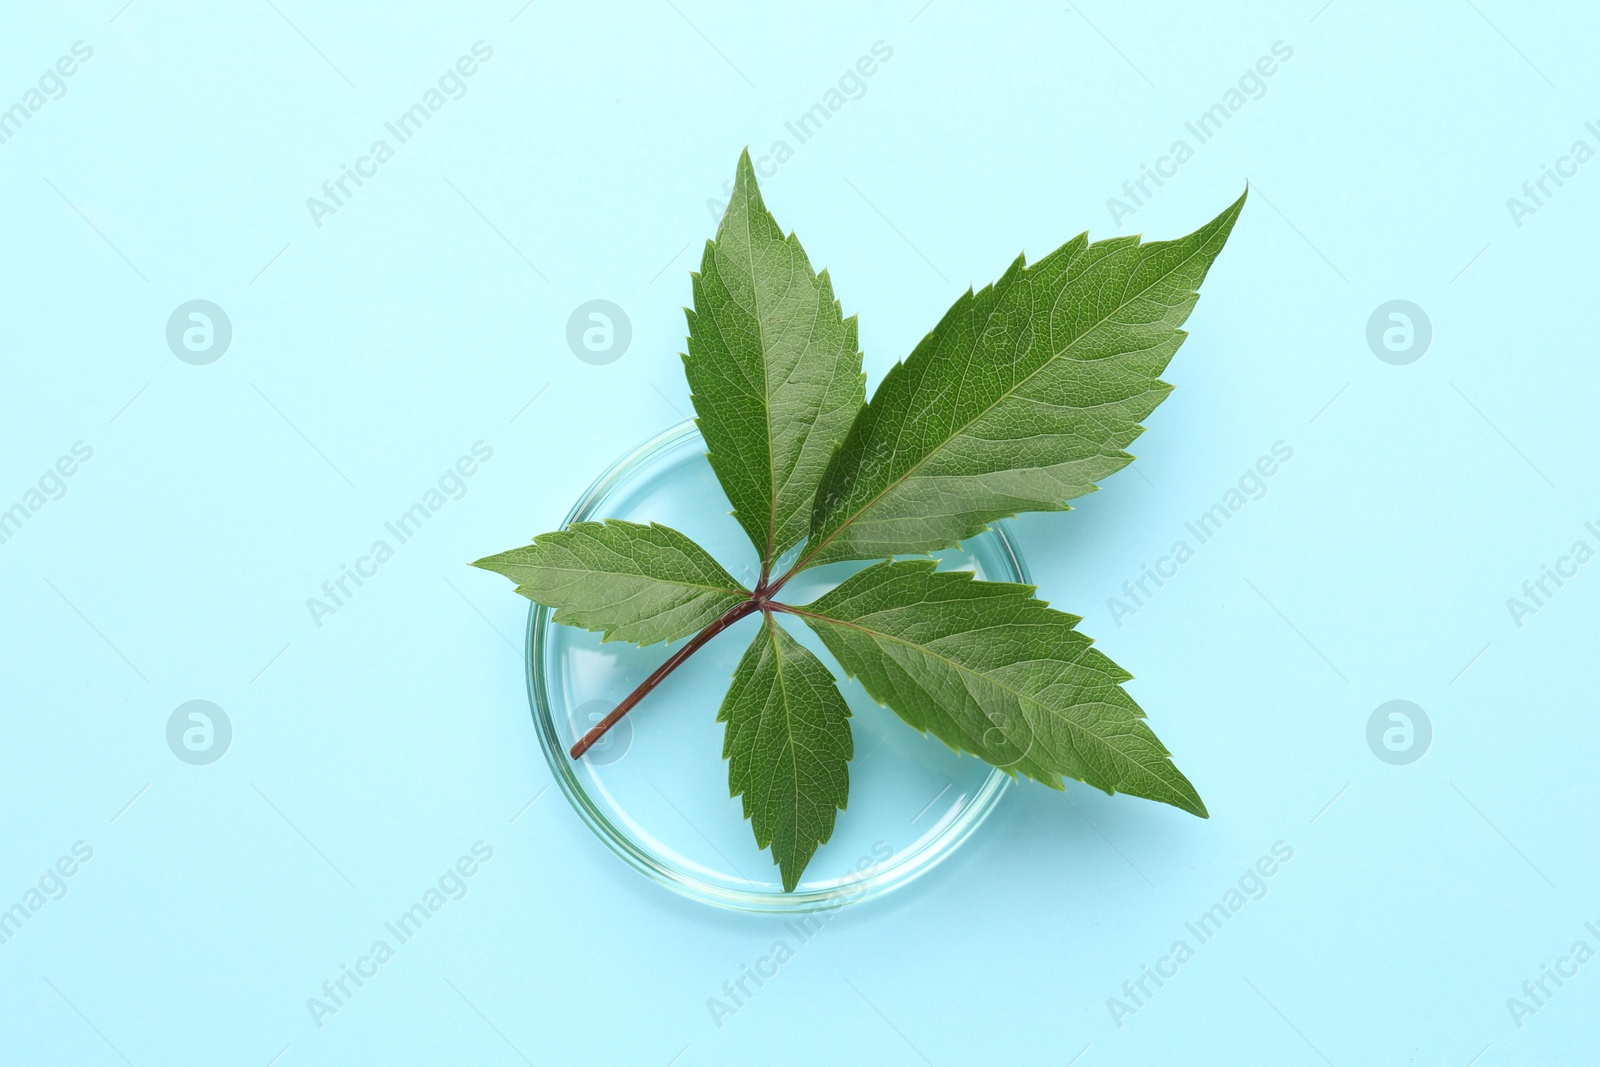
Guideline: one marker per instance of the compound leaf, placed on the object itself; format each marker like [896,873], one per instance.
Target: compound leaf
[1024,396]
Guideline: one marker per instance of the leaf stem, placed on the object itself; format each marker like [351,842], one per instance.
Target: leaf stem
[772,588]
[676,660]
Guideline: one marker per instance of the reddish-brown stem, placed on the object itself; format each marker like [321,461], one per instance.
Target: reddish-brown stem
[725,620]
[772,590]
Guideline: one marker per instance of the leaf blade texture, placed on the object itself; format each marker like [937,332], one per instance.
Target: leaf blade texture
[773,367]
[632,582]
[990,670]
[788,745]
[1023,396]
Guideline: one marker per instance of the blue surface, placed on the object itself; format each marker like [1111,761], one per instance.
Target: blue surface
[429,311]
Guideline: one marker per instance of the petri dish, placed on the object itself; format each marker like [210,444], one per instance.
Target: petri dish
[655,789]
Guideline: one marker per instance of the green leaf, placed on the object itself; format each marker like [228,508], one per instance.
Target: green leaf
[636,583]
[774,369]
[1024,396]
[990,670]
[787,745]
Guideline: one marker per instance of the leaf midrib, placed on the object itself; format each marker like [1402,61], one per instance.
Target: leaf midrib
[766,383]
[788,730]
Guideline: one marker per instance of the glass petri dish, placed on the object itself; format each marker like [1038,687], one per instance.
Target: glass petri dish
[655,789]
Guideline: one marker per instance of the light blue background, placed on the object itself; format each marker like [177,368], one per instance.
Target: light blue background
[369,353]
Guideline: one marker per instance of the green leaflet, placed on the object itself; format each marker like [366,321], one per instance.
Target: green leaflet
[787,745]
[774,369]
[637,583]
[990,670]
[1023,396]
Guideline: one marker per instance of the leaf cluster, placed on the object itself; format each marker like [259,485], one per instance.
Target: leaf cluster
[1025,395]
